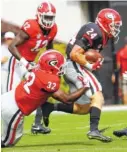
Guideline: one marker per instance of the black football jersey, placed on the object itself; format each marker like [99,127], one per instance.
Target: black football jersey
[88,37]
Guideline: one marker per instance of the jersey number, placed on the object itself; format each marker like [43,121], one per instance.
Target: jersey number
[38,44]
[51,85]
[26,25]
[91,33]
[29,81]
[30,77]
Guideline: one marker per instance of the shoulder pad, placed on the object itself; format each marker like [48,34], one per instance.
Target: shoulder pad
[31,27]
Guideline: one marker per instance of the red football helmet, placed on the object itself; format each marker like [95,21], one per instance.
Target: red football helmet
[52,61]
[110,21]
[46,15]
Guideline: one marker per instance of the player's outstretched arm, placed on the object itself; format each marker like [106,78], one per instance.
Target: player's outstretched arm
[20,38]
[66,97]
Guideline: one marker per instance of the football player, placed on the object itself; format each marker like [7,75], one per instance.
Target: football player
[90,36]
[35,34]
[39,84]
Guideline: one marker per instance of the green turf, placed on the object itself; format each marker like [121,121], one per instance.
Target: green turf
[69,135]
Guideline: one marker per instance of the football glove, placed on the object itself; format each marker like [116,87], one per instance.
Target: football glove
[95,66]
[28,65]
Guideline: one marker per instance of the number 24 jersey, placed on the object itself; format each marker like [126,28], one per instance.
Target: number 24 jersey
[90,36]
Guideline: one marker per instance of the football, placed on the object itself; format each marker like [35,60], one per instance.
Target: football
[92,56]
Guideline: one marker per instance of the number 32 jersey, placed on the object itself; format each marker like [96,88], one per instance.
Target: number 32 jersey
[89,36]
[34,91]
[37,39]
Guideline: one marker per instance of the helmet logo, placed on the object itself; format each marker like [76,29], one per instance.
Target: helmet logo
[40,6]
[53,62]
[110,16]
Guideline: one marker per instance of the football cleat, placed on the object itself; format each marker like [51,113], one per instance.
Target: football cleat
[98,136]
[35,129]
[120,133]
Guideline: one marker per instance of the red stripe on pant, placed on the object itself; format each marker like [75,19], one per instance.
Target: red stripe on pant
[14,129]
[92,78]
[13,66]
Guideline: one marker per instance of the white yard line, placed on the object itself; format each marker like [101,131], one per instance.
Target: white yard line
[74,149]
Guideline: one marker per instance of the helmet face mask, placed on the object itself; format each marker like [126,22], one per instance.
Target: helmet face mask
[46,21]
[115,28]
[62,70]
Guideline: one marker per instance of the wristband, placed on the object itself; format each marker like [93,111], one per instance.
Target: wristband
[24,61]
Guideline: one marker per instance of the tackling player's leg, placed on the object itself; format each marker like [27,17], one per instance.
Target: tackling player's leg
[37,126]
[47,108]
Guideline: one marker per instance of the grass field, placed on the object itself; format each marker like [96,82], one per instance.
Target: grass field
[69,135]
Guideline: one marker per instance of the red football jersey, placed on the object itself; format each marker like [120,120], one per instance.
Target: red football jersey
[34,91]
[37,39]
[122,59]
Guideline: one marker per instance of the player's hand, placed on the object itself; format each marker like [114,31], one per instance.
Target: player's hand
[95,66]
[31,65]
[28,65]
[98,64]
[125,75]
[84,81]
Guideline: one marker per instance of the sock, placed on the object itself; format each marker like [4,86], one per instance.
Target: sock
[68,108]
[38,116]
[47,108]
[94,118]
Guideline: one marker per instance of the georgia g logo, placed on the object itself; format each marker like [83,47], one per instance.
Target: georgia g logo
[53,62]
[40,6]
[110,16]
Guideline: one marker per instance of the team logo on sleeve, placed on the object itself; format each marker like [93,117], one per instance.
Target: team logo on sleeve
[53,62]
